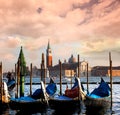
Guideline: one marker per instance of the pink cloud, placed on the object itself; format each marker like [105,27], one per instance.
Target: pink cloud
[9,57]
[89,23]
[13,42]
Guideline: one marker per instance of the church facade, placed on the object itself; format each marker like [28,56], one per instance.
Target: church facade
[69,68]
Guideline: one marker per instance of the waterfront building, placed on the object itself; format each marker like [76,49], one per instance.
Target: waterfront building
[70,68]
[105,71]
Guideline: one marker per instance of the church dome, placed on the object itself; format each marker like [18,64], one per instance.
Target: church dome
[72,59]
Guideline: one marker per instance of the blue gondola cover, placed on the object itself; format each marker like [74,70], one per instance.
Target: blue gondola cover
[103,90]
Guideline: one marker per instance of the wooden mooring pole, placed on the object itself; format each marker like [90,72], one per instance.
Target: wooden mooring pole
[0,82]
[30,79]
[18,78]
[87,79]
[110,61]
[78,66]
[43,70]
[60,65]
[79,94]
[71,77]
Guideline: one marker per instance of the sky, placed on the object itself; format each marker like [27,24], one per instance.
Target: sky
[90,28]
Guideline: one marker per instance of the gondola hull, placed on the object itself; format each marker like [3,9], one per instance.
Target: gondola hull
[36,105]
[99,99]
[97,106]
[64,104]
[98,103]
[30,103]
[70,101]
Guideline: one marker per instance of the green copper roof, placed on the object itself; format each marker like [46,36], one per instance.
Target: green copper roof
[21,57]
[22,62]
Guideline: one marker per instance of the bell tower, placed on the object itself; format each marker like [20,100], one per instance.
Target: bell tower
[48,56]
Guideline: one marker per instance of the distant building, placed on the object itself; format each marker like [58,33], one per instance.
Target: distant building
[48,56]
[99,71]
[115,71]
[105,71]
[69,68]
[83,69]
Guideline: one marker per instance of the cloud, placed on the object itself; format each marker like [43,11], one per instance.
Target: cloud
[9,57]
[9,42]
[32,44]
[86,26]
[111,30]
[99,46]
[13,42]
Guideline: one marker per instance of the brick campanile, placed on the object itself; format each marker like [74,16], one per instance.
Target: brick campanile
[48,56]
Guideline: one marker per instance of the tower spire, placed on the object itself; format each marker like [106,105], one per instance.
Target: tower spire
[48,47]
[48,56]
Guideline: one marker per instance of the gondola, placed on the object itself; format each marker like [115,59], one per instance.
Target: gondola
[10,81]
[65,102]
[4,103]
[37,101]
[99,98]
[30,103]
[11,85]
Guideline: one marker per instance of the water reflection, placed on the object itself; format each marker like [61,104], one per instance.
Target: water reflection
[57,112]
[116,104]
[93,111]
[31,112]
[3,108]
[27,113]
[64,112]
[49,112]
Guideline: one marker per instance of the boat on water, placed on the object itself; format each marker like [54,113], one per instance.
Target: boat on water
[38,101]
[99,98]
[76,90]
[65,102]
[4,103]
[11,85]
[30,103]
[10,81]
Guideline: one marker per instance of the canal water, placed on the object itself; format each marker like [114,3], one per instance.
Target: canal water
[93,84]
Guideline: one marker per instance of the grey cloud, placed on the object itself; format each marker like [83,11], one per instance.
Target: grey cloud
[39,10]
[87,5]
[111,30]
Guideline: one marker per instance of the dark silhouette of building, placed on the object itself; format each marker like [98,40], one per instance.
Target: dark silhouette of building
[69,68]
[105,71]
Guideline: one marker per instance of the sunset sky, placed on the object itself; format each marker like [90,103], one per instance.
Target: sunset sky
[90,28]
